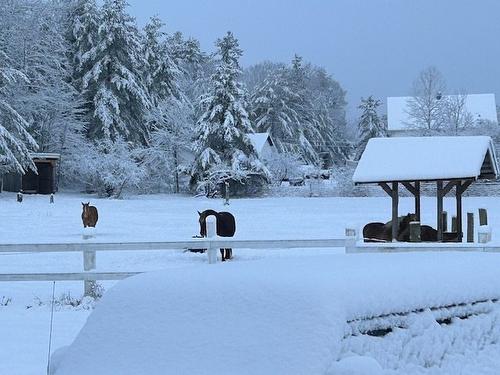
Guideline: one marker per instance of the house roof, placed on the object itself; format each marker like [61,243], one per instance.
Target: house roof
[259,140]
[45,155]
[426,159]
[481,106]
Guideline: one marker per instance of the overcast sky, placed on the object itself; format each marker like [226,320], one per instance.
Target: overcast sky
[371,47]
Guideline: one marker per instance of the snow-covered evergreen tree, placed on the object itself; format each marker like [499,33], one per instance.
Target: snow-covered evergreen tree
[114,84]
[328,112]
[15,142]
[223,150]
[83,25]
[370,125]
[303,110]
[161,71]
[309,136]
[274,112]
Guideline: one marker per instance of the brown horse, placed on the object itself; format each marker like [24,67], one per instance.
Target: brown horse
[226,227]
[89,215]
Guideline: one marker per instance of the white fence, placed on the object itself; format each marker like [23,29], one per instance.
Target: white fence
[89,250]
[212,243]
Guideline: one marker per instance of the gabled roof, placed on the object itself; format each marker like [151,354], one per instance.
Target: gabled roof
[426,159]
[481,106]
[259,140]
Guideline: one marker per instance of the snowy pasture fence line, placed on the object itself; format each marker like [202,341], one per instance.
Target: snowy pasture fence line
[89,250]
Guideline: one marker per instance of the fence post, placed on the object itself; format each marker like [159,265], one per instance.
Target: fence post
[415,231]
[89,264]
[454,224]
[483,216]
[211,234]
[350,240]
[470,227]
[444,220]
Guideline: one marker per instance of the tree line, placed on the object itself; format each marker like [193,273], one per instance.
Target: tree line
[142,108]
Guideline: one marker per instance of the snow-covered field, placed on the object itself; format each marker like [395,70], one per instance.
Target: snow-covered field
[25,320]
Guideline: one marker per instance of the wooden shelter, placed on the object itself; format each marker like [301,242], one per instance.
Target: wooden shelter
[44,181]
[449,162]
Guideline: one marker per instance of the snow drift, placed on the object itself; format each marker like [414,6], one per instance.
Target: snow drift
[280,316]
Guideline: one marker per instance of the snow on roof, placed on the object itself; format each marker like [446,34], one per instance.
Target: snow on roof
[481,106]
[45,155]
[258,140]
[273,316]
[426,158]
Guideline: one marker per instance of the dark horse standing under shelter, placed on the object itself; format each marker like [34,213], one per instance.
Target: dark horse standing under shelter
[226,227]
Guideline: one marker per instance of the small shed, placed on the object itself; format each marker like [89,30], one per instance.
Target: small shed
[42,182]
[449,162]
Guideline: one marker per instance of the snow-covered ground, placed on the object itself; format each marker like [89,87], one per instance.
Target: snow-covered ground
[155,218]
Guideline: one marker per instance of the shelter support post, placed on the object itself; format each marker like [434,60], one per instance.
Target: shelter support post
[439,210]
[393,193]
[417,200]
[395,202]
[415,190]
[461,186]
[458,197]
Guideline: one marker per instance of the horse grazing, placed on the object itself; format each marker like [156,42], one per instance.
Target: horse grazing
[89,215]
[226,227]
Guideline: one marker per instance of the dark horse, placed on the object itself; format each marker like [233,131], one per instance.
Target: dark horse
[380,232]
[226,227]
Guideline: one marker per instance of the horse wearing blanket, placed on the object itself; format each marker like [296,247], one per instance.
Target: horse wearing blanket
[226,227]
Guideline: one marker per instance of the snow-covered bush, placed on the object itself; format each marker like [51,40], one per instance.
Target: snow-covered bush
[282,166]
[110,167]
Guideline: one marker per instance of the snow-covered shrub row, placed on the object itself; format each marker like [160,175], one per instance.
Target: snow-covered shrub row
[425,343]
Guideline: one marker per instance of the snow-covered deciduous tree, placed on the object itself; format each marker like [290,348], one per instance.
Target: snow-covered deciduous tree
[284,165]
[426,107]
[114,84]
[370,125]
[170,139]
[456,116]
[224,152]
[110,167]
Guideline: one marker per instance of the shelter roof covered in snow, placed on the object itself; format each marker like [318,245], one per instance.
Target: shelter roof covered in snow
[480,106]
[426,159]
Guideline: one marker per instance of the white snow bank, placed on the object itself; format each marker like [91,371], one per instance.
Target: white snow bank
[280,316]
[356,365]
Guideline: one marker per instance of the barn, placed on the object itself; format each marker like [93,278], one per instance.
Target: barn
[43,182]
